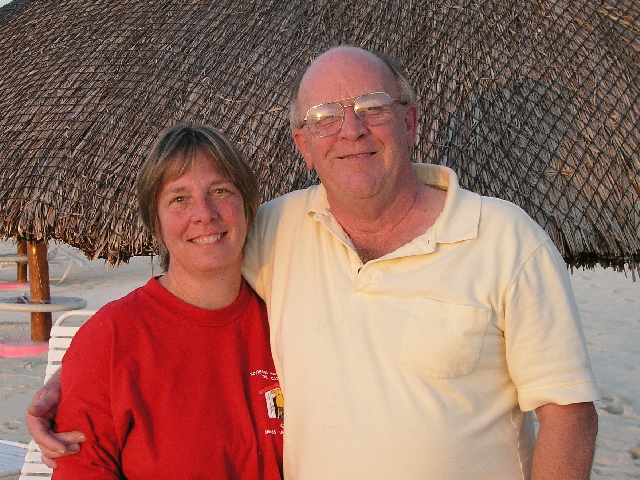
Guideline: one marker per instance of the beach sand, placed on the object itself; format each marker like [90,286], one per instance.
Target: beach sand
[609,304]
[20,378]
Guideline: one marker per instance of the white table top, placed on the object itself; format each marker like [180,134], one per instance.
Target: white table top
[13,258]
[57,304]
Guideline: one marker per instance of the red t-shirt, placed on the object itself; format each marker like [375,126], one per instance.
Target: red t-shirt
[163,389]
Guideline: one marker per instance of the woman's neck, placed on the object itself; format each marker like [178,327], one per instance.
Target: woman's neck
[212,291]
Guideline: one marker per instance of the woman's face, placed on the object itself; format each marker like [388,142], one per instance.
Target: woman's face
[202,221]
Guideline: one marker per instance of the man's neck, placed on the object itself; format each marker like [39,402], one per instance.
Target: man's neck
[377,228]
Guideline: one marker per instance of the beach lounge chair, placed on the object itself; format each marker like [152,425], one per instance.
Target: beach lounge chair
[11,457]
[61,335]
[59,256]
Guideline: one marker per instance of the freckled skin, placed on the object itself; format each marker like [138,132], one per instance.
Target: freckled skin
[202,223]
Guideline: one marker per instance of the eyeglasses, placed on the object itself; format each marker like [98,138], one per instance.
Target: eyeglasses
[372,109]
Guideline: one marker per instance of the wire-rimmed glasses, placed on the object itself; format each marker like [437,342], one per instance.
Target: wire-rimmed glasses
[372,109]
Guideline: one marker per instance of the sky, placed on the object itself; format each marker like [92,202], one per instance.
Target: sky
[4,2]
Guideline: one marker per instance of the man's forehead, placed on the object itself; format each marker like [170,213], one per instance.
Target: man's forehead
[337,75]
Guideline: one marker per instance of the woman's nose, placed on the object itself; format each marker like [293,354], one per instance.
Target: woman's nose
[206,209]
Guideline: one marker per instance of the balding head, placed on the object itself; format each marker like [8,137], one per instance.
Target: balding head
[332,67]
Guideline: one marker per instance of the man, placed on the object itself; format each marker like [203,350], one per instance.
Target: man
[413,323]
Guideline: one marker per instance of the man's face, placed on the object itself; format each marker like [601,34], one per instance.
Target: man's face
[360,161]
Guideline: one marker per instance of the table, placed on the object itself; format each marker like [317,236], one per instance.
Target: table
[19,348]
[56,304]
[13,258]
[19,262]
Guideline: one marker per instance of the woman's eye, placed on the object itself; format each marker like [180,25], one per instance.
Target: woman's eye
[179,199]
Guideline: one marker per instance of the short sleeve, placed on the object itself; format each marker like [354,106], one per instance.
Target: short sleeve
[545,347]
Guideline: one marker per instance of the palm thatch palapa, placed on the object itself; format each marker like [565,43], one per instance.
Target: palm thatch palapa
[536,102]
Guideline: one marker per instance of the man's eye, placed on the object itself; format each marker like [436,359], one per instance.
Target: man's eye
[327,119]
[373,110]
[178,199]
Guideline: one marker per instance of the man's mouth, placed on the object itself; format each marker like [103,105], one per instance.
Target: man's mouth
[359,155]
[208,239]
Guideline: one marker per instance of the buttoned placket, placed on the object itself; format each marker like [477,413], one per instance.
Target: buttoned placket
[371,273]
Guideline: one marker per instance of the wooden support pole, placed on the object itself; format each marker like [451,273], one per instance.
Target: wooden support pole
[40,292]
[21,275]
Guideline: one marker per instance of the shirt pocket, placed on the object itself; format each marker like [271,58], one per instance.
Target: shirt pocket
[443,340]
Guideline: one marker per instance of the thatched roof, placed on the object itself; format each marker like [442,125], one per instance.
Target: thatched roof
[534,102]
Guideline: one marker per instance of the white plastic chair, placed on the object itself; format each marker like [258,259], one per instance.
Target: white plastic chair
[61,336]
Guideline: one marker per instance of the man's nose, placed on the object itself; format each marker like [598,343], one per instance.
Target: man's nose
[352,126]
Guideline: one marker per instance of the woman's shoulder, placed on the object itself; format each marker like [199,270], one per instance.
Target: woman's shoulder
[114,313]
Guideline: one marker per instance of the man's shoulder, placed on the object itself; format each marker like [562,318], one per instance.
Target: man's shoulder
[504,208]
[504,217]
[294,197]
[292,203]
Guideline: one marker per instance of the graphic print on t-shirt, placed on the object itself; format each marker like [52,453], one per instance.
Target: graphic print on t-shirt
[275,401]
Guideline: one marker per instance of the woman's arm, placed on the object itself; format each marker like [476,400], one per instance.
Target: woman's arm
[85,393]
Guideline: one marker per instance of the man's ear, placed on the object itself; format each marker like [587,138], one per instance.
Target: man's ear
[301,142]
[411,121]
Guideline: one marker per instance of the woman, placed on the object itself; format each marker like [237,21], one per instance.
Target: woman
[176,380]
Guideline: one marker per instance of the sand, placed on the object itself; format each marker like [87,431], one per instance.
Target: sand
[95,282]
[609,304]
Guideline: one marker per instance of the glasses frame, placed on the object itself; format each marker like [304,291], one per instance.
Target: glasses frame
[352,104]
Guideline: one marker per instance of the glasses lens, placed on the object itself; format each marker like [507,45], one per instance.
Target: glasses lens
[324,119]
[374,108]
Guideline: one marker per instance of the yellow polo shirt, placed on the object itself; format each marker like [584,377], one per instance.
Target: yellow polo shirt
[422,363]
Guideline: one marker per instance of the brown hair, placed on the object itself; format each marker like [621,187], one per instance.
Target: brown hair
[171,156]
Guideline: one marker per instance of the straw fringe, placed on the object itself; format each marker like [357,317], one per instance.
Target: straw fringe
[537,102]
